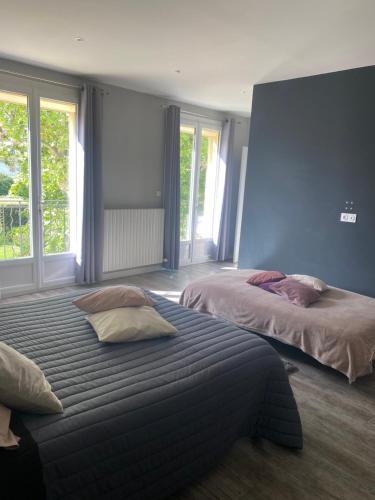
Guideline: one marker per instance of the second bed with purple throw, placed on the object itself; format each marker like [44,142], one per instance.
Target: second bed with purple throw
[338,330]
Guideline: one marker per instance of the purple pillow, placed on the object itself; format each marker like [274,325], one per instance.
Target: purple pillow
[296,292]
[267,286]
[265,277]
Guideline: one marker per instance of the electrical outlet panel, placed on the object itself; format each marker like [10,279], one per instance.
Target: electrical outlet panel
[348,217]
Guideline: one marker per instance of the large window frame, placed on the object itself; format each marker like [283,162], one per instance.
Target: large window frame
[35,91]
[188,255]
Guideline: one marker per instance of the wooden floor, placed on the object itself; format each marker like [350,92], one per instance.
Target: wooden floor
[338,459]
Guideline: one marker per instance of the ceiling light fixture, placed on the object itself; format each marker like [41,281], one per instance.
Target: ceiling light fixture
[177,71]
[78,39]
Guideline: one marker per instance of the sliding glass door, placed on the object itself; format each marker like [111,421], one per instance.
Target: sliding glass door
[199,163]
[37,185]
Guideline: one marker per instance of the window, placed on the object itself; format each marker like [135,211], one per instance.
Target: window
[57,165]
[208,163]
[15,207]
[38,150]
[199,167]
[187,138]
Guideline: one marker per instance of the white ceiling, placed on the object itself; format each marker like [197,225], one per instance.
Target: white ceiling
[221,47]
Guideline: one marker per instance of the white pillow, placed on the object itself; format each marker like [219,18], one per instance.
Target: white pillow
[128,324]
[315,283]
[23,385]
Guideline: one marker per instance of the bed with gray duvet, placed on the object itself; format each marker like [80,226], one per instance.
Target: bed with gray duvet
[142,420]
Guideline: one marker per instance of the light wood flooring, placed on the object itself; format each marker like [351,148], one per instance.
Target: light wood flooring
[338,459]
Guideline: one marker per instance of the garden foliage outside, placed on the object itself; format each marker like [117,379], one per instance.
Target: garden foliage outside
[15,224]
[186,161]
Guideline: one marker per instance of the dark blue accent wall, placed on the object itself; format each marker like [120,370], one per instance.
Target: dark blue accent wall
[312,149]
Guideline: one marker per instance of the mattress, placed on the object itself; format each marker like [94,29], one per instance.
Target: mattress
[338,330]
[141,420]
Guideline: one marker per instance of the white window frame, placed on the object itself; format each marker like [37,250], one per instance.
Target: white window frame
[198,123]
[35,90]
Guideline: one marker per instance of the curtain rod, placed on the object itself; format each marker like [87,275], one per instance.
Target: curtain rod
[45,80]
[209,117]
[198,114]
[185,112]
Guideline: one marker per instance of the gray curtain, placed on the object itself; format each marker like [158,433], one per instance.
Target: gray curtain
[172,188]
[225,244]
[89,197]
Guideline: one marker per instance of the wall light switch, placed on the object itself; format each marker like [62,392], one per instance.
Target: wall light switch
[348,217]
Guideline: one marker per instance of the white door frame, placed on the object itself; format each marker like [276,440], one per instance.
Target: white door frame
[32,268]
[198,124]
[64,260]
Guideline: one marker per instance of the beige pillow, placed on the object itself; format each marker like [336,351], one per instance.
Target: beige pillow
[112,297]
[23,385]
[311,281]
[7,438]
[128,324]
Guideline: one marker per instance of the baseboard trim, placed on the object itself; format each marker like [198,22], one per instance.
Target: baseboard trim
[122,273]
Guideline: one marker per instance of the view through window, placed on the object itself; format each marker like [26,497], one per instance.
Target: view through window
[187,136]
[57,143]
[15,210]
[199,149]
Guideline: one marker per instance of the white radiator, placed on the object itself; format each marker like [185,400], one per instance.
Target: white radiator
[132,238]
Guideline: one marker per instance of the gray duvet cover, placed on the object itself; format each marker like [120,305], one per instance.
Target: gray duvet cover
[143,419]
